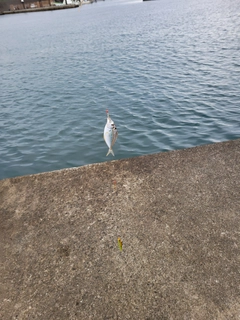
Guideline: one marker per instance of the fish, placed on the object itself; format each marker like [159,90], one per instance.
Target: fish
[110,134]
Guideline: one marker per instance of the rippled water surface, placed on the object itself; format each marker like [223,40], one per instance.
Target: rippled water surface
[168,71]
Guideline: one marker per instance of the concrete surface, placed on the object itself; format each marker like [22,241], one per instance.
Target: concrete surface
[177,213]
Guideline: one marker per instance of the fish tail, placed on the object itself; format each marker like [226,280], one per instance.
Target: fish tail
[110,151]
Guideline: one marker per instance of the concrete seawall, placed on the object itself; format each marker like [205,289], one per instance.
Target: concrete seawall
[177,213]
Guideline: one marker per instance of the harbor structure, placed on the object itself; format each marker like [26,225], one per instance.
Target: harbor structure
[151,237]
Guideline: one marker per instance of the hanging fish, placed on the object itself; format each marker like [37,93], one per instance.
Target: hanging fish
[110,134]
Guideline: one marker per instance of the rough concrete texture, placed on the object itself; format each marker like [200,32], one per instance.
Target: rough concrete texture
[177,213]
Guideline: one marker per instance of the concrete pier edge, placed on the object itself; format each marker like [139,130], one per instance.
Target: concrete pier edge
[177,214]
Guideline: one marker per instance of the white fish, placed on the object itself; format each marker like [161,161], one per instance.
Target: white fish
[110,134]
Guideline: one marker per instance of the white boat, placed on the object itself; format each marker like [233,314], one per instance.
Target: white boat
[66,2]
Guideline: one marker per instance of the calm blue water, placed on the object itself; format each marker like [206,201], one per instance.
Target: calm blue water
[168,71]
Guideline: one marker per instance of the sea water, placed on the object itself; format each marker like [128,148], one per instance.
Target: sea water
[168,71]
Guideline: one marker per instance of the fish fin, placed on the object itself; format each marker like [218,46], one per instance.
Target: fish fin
[114,138]
[110,151]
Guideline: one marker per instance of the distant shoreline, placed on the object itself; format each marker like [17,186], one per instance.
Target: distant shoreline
[69,6]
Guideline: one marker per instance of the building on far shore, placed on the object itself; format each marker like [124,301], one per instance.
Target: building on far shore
[15,5]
